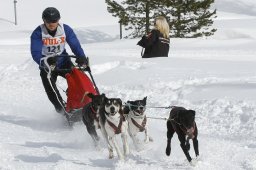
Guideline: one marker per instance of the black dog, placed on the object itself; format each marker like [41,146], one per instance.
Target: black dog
[182,122]
[90,115]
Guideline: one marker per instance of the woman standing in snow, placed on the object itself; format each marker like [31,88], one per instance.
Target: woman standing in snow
[156,43]
[49,39]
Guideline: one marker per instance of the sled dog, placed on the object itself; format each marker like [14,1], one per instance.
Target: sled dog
[114,123]
[90,116]
[135,114]
[182,121]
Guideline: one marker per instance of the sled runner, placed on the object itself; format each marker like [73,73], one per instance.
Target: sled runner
[79,85]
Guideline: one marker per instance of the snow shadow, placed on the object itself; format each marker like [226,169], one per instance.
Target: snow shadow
[36,159]
[52,144]
[53,158]
[40,125]
[102,163]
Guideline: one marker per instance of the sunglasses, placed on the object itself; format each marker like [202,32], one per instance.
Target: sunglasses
[51,21]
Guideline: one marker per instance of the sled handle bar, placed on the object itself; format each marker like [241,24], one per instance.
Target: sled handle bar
[56,56]
[70,56]
[87,68]
[82,68]
[43,59]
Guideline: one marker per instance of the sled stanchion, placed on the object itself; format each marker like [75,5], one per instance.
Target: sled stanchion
[70,111]
[49,80]
[96,88]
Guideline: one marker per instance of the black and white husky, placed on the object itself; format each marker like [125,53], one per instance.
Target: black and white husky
[134,112]
[91,118]
[114,124]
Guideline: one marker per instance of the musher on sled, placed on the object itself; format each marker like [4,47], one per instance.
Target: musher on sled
[49,39]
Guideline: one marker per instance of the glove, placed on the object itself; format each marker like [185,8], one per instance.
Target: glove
[81,61]
[52,63]
[52,60]
[88,69]
[52,67]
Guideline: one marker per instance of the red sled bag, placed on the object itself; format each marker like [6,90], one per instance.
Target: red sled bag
[79,84]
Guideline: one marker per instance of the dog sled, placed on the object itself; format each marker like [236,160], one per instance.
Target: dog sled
[80,82]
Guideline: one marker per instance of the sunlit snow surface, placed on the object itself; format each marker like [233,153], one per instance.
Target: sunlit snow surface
[214,76]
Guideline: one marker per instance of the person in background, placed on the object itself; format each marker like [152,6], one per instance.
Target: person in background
[156,43]
[49,39]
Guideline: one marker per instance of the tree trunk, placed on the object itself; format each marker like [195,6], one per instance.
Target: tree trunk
[178,21]
[121,33]
[147,17]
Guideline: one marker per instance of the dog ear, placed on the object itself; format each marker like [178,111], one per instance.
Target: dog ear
[192,112]
[90,95]
[145,99]
[105,99]
[103,95]
[120,101]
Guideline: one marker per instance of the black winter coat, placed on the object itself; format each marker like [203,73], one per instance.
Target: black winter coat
[155,45]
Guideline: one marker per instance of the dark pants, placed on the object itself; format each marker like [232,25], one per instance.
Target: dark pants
[55,98]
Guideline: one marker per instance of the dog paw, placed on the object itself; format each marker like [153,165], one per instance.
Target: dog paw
[198,158]
[97,147]
[146,140]
[121,157]
[97,138]
[151,139]
[110,157]
[168,151]
[193,162]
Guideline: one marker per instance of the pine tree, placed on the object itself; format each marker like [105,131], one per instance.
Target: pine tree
[133,14]
[187,18]
[191,18]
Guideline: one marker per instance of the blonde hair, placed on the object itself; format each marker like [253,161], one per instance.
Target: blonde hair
[162,25]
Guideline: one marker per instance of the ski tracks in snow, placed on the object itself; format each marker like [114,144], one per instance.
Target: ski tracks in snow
[223,111]
[226,124]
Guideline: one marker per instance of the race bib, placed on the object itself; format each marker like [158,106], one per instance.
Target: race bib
[53,45]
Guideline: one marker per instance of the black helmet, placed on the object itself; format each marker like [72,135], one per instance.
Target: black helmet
[51,15]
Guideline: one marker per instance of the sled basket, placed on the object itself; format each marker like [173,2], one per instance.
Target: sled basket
[79,85]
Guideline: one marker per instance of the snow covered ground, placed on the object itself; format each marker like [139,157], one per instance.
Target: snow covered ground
[215,76]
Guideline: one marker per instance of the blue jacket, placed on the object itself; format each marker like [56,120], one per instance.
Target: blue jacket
[71,39]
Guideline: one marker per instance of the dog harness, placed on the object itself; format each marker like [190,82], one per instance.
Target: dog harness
[117,129]
[173,117]
[142,126]
[183,128]
[94,114]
